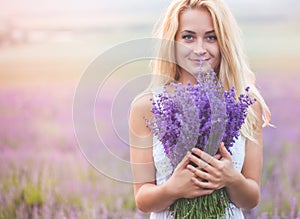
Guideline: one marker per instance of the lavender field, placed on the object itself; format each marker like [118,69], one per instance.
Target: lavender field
[43,172]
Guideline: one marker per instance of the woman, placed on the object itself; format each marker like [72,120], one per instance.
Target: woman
[200,28]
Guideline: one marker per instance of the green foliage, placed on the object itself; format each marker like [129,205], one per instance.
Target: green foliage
[129,203]
[9,182]
[7,211]
[32,194]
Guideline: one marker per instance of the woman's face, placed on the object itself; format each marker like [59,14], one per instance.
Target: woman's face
[196,38]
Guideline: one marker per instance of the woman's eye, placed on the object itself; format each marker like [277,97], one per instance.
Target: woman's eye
[188,37]
[212,38]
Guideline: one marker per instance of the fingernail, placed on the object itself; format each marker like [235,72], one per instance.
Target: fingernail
[188,154]
[194,179]
[195,150]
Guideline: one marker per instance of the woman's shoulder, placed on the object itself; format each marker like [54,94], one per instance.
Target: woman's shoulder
[142,104]
[140,113]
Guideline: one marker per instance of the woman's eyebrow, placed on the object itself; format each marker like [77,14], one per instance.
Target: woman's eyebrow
[188,31]
[192,32]
[209,32]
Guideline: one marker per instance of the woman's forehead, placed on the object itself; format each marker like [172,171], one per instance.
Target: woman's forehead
[196,20]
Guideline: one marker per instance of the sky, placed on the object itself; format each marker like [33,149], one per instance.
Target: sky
[14,7]
[79,10]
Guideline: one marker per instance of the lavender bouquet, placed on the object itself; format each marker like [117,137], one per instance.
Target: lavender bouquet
[202,116]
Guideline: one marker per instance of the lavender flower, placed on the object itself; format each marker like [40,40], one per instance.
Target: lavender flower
[198,116]
[236,115]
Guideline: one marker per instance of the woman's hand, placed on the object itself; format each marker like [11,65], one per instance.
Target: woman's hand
[181,183]
[212,173]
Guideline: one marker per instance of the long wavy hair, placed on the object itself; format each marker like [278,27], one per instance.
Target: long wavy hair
[233,69]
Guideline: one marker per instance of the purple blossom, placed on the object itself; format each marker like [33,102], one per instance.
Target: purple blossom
[199,115]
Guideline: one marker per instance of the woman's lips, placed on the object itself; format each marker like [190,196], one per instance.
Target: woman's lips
[197,61]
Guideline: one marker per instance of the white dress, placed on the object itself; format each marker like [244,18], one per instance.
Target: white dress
[164,170]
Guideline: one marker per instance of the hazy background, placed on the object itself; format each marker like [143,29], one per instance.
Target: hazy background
[45,46]
[82,30]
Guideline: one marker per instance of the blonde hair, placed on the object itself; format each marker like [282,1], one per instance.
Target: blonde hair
[233,69]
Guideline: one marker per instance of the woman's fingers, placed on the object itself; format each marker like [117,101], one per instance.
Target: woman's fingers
[205,185]
[198,162]
[205,157]
[211,172]
[184,162]
[199,192]
[224,152]
[204,179]
[199,173]
[218,156]
[204,192]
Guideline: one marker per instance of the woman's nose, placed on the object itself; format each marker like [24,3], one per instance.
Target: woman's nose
[199,48]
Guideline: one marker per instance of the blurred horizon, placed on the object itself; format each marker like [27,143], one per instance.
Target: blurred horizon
[69,34]
[60,31]
[70,15]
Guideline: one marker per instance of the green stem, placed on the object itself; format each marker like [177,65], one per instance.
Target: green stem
[202,207]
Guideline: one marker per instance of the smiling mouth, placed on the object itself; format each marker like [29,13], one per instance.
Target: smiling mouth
[198,60]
